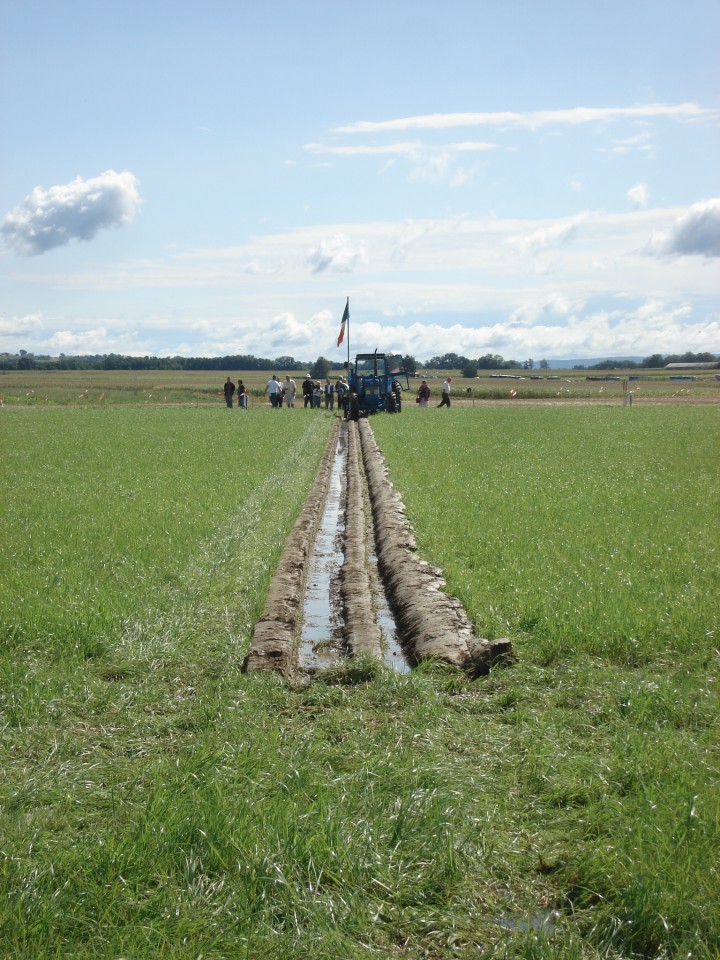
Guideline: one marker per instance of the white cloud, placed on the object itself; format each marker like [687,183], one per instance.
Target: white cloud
[458,258]
[407,149]
[550,327]
[407,235]
[472,146]
[97,340]
[338,254]
[73,211]
[515,287]
[428,163]
[544,237]
[30,325]
[557,304]
[638,195]
[695,233]
[461,177]
[533,120]
[283,334]
[640,143]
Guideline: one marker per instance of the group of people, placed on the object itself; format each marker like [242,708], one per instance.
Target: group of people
[423,394]
[315,394]
[282,393]
[230,390]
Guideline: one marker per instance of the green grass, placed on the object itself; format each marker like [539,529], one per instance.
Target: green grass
[111,388]
[588,536]
[588,530]
[123,522]
[156,802]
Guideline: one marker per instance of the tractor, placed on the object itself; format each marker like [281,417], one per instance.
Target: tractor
[376,382]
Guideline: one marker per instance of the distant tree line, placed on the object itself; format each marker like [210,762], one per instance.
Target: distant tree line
[322,366]
[116,361]
[493,361]
[655,361]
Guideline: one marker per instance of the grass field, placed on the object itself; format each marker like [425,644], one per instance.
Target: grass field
[88,388]
[158,803]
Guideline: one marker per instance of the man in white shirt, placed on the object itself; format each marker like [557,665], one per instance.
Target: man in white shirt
[289,392]
[274,388]
[445,401]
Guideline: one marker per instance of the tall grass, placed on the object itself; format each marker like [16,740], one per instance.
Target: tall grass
[589,530]
[588,535]
[120,523]
[156,802]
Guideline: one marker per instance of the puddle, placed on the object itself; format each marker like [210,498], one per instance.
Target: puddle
[321,633]
[393,656]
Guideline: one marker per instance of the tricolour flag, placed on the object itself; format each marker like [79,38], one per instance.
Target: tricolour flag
[345,318]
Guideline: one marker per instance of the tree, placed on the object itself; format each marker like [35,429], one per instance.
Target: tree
[656,360]
[491,361]
[320,369]
[411,365]
[448,361]
[529,364]
[286,363]
[544,365]
[470,370]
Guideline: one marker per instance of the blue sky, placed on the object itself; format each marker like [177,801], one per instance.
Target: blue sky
[528,179]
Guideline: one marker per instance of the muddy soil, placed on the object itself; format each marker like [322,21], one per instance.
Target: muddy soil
[429,623]
[275,639]
[361,631]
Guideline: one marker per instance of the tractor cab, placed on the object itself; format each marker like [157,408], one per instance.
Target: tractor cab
[376,383]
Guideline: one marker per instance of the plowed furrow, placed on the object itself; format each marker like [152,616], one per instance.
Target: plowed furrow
[430,624]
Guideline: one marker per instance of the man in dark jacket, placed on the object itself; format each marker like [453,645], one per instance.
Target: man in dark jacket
[307,390]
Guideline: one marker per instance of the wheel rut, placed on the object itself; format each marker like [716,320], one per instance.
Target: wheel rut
[350,582]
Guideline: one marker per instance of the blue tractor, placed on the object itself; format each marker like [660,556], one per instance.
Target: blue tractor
[376,382]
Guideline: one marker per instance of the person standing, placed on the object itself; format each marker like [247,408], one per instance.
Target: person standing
[329,395]
[307,391]
[289,391]
[317,395]
[423,394]
[445,401]
[273,388]
[342,390]
[242,395]
[229,391]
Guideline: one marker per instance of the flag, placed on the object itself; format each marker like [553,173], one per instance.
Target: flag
[345,318]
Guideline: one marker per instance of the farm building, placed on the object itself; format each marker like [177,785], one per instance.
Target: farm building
[707,365]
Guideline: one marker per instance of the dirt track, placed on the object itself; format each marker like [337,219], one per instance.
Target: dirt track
[430,624]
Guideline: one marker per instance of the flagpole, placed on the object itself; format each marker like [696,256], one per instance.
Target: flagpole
[347,306]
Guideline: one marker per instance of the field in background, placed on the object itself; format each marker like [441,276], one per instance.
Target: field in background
[157,802]
[201,388]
